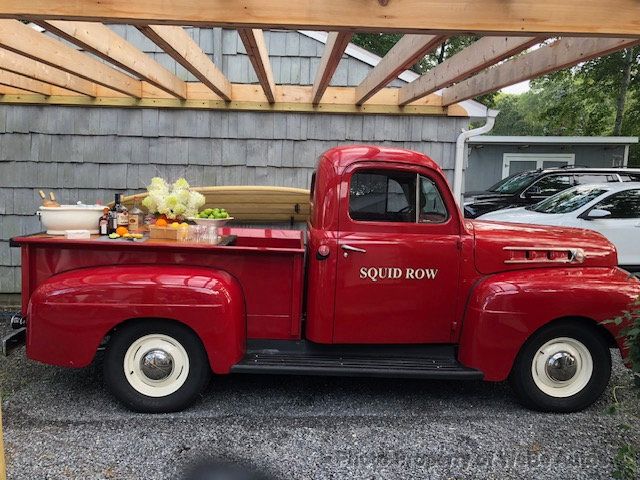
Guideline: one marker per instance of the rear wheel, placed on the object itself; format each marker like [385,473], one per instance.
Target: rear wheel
[564,367]
[156,366]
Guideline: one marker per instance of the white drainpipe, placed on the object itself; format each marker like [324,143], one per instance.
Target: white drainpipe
[460,145]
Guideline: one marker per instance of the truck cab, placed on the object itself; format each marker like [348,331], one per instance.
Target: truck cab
[391,282]
[386,234]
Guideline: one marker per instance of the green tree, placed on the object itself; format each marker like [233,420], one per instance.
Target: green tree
[381,43]
[598,97]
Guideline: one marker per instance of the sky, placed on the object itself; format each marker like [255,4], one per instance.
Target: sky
[517,88]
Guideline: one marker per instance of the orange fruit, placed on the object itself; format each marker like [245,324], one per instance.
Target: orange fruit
[122,231]
[161,222]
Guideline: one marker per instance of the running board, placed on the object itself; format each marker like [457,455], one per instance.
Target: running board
[290,363]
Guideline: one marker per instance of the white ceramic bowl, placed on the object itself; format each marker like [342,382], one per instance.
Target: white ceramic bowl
[214,222]
[56,220]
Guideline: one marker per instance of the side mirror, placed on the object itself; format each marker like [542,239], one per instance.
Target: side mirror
[597,213]
[533,192]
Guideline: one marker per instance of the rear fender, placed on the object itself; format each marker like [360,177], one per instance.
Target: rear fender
[70,314]
[505,309]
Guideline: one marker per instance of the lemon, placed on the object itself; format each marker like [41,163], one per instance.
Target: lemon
[184,224]
[175,225]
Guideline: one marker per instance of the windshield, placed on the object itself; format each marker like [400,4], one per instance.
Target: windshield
[568,200]
[514,183]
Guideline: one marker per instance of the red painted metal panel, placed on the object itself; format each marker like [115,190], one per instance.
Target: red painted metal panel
[70,313]
[266,263]
[506,308]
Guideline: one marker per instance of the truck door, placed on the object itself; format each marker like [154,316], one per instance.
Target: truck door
[398,256]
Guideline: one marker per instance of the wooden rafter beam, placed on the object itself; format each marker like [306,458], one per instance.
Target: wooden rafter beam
[515,17]
[11,79]
[253,40]
[476,57]
[246,97]
[408,51]
[24,40]
[27,67]
[560,54]
[334,48]
[180,46]
[105,43]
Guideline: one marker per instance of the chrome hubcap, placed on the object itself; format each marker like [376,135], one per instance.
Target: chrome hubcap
[156,364]
[561,366]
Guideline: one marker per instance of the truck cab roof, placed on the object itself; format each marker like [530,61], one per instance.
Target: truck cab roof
[342,157]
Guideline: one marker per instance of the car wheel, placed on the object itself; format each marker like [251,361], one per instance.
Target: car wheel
[564,367]
[156,366]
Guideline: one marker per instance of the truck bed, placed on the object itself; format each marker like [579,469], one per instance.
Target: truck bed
[267,263]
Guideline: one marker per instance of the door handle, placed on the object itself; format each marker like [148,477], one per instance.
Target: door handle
[349,248]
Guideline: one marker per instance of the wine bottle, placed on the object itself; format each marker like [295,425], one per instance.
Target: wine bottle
[122,214]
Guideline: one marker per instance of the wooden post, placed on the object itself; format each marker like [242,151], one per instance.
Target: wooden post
[3,466]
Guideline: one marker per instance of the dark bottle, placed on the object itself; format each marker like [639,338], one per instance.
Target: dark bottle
[122,214]
[103,223]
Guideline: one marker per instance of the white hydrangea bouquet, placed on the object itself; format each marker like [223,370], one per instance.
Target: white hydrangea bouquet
[173,201]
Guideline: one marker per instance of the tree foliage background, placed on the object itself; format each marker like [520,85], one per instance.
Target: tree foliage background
[599,97]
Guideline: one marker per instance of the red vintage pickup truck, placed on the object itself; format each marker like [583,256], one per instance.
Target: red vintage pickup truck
[393,282]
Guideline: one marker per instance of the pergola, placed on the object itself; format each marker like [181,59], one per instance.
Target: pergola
[40,69]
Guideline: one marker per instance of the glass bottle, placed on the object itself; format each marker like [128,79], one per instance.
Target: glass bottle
[103,223]
[122,213]
[136,217]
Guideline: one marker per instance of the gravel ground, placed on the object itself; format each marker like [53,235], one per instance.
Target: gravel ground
[62,424]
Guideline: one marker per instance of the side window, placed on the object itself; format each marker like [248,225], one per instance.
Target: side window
[382,196]
[587,178]
[432,208]
[630,177]
[550,185]
[622,204]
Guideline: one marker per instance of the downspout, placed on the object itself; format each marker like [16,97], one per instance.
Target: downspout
[460,147]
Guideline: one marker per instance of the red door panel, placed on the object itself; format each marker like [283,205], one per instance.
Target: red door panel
[398,291]
[396,280]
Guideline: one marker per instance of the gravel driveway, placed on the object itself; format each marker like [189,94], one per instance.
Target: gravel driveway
[62,424]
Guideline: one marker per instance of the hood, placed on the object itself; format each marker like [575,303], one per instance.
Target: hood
[522,215]
[512,246]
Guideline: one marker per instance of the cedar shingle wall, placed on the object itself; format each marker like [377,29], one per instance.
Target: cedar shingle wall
[87,154]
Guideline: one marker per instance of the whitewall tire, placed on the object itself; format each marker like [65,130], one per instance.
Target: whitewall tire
[563,367]
[156,366]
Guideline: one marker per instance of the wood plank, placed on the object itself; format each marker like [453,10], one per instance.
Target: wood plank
[485,52]
[334,49]
[180,46]
[105,43]
[247,97]
[24,40]
[515,17]
[253,40]
[11,79]
[27,67]
[404,54]
[560,54]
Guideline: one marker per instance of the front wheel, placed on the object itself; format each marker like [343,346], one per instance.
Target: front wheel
[156,366]
[564,367]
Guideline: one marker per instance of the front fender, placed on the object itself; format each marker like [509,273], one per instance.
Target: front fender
[505,309]
[70,313]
